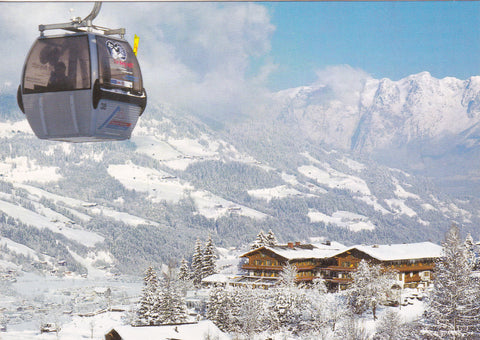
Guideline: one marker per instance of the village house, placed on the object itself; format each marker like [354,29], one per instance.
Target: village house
[187,331]
[414,262]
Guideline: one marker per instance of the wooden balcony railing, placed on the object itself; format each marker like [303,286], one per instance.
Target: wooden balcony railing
[257,267]
[412,267]
[338,269]
[306,267]
[338,280]
[414,278]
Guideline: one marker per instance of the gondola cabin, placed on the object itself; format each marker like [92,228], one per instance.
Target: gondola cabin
[82,87]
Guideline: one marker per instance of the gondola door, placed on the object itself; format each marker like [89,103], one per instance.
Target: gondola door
[56,87]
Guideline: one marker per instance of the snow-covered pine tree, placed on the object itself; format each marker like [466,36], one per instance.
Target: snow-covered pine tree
[319,285]
[316,314]
[352,328]
[390,327]
[171,303]
[147,313]
[218,308]
[288,306]
[260,241]
[288,301]
[250,317]
[370,286]
[472,251]
[288,276]
[184,273]
[454,305]
[271,239]
[197,264]
[209,258]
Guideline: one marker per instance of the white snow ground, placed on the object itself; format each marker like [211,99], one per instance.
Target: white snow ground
[344,219]
[268,194]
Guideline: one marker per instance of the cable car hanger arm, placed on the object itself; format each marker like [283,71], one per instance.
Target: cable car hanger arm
[83,25]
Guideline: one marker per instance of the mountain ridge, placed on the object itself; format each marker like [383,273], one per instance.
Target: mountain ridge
[397,123]
[148,199]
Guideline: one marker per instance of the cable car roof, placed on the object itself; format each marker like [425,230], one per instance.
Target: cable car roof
[84,25]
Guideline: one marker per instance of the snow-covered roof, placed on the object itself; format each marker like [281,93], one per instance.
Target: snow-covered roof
[305,251]
[396,252]
[185,332]
[390,252]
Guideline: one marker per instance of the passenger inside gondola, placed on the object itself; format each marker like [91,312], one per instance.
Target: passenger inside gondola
[58,79]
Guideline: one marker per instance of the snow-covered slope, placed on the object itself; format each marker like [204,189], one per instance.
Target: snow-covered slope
[418,123]
[122,206]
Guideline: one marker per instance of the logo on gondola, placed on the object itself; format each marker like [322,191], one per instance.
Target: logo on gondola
[116,50]
[117,121]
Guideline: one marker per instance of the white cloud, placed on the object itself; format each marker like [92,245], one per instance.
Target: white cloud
[345,81]
[193,55]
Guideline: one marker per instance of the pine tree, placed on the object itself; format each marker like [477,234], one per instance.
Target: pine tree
[171,304]
[371,285]
[197,264]
[218,308]
[260,241]
[288,276]
[208,260]
[472,251]
[147,313]
[270,239]
[184,273]
[390,327]
[454,309]
[319,285]
[288,306]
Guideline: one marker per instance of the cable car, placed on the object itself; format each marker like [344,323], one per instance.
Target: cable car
[83,86]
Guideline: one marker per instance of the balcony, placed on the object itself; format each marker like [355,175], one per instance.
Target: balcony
[306,267]
[339,269]
[414,278]
[260,267]
[339,280]
[417,267]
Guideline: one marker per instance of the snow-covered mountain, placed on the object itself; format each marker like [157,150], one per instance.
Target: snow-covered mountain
[418,123]
[104,208]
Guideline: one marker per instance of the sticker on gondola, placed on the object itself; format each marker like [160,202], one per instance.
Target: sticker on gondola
[118,120]
[116,50]
[122,83]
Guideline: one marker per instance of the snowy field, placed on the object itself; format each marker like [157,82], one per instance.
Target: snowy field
[280,191]
[335,180]
[31,300]
[95,327]
[344,219]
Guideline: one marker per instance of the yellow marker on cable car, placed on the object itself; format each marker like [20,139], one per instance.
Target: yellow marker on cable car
[135,44]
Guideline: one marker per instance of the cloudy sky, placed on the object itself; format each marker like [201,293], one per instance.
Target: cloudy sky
[228,57]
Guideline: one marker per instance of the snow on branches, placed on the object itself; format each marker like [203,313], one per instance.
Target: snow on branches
[162,301]
[454,305]
[203,261]
[263,240]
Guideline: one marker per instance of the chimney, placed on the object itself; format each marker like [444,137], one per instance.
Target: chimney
[297,244]
[290,245]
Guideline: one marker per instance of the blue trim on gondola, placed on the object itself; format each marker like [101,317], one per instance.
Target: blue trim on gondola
[109,118]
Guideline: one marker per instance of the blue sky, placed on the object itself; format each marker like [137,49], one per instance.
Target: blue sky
[385,39]
[222,58]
